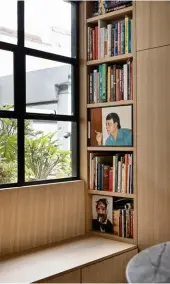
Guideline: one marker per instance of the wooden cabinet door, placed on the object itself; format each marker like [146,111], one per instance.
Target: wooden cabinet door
[70,277]
[111,270]
[152,24]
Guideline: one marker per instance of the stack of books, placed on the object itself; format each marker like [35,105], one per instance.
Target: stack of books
[110,84]
[123,223]
[117,177]
[111,40]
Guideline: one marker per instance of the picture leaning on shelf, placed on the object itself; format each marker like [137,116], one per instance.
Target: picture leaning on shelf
[102,209]
[111,126]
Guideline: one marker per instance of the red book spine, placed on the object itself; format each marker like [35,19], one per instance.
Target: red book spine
[111,179]
[93,41]
[96,37]
[119,37]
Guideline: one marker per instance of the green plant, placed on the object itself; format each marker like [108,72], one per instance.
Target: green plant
[43,157]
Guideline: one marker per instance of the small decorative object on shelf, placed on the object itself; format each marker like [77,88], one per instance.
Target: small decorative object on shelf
[103,6]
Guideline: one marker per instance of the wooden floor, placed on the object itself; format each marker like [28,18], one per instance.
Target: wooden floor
[34,266]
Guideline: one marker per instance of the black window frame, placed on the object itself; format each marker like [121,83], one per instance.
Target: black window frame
[19,71]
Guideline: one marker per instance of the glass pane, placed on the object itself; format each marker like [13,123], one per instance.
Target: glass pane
[48,86]
[6,80]
[48,150]
[8,21]
[8,150]
[51,30]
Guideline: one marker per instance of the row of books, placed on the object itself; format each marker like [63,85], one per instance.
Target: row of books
[123,220]
[112,40]
[117,177]
[111,83]
[104,6]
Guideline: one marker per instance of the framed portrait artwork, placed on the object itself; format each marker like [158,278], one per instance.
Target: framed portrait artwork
[102,207]
[111,126]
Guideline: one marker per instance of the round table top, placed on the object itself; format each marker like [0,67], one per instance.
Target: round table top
[151,265]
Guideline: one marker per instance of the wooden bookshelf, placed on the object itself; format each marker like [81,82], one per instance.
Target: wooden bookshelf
[111,149]
[111,15]
[109,104]
[85,68]
[108,193]
[113,59]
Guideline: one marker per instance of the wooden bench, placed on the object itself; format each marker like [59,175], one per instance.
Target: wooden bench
[87,259]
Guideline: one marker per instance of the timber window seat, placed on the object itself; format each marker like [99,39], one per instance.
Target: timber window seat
[82,260]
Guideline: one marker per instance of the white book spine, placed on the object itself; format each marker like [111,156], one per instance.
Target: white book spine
[125,90]
[105,41]
[119,176]
[99,40]
[102,42]
[109,47]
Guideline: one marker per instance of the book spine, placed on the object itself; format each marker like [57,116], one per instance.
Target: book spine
[117,84]
[93,44]
[112,86]
[128,80]
[130,35]
[92,174]
[119,37]
[122,82]
[102,42]
[97,87]
[131,223]
[99,43]
[116,39]
[105,41]
[95,170]
[123,176]
[104,95]
[96,42]
[109,84]
[131,174]
[119,176]
[88,48]
[111,179]
[102,177]
[112,41]
[94,86]
[116,222]
[120,222]
[122,37]
[106,177]
[131,81]
[109,46]
[114,83]
[126,34]
[98,176]
[116,173]
[126,172]
[127,224]
[125,82]
[124,223]
[100,83]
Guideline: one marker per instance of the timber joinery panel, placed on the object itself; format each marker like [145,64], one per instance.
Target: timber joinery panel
[86,66]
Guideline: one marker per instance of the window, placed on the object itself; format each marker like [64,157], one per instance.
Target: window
[39,116]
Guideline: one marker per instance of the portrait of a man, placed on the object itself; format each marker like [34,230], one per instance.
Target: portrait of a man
[117,136]
[111,126]
[101,220]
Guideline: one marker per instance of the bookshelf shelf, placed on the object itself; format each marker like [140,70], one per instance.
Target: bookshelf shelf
[113,237]
[111,15]
[109,104]
[118,58]
[114,194]
[115,149]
